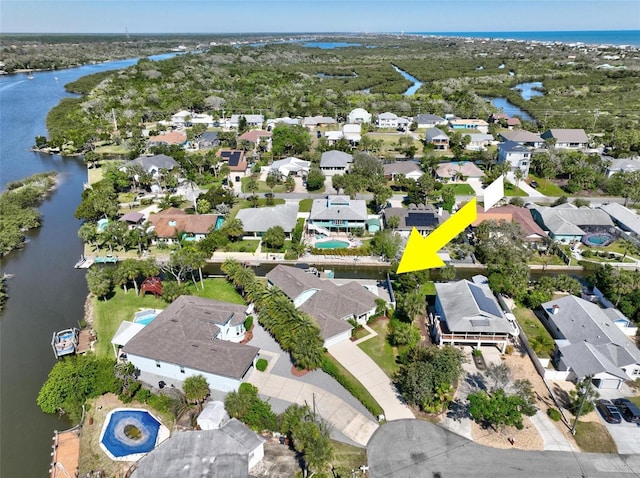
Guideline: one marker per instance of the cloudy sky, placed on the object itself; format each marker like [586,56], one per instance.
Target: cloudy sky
[244,16]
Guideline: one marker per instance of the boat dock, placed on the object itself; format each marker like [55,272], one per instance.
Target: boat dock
[85,338]
[65,456]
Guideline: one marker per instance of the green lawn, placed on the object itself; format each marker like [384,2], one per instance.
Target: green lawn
[463,190]
[305,205]
[532,328]
[245,204]
[428,288]
[546,187]
[262,187]
[379,349]
[110,313]
[246,245]
[346,458]
[593,437]
[511,190]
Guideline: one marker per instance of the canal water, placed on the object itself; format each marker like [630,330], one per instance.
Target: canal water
[46,293]
[527,91]
[416,83]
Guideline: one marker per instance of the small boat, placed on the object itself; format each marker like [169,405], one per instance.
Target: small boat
[30,76]
[108,259]
[80,262]
[65,342]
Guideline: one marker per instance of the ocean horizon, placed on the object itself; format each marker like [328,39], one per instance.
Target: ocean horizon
[591,37]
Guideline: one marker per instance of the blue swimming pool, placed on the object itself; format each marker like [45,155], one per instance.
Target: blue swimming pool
[129,432]
[333,244]
[145,317]
[598,239]
[219,222]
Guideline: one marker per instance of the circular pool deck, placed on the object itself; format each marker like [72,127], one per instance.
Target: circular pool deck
[128,434]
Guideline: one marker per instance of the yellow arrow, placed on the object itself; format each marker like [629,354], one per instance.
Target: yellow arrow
[422,252]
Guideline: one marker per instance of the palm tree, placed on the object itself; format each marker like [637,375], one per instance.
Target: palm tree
[393,222]
[196,389]
[518,174]
[131,270]
[308,352]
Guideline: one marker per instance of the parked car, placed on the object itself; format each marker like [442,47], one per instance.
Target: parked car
[534,184]
[608,411]
[629,410]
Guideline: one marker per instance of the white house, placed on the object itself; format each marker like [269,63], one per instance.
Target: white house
[621,165]
[408,169]
[424,121]
[273,122]
[194,336]
[567,138]
[437,138]
[469,123]
[589,344]
[335,162]
[253,121]
[479,141]
[291,167]
[359,115]
[516,155]
[387,120]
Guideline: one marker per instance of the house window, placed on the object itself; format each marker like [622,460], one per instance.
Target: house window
[636,371]
[338,222]
[158,363]
[181,369]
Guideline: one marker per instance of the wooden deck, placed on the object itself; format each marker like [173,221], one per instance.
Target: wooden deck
[84,341]
[66,454]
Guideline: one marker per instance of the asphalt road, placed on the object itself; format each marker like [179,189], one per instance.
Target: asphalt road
[419,449]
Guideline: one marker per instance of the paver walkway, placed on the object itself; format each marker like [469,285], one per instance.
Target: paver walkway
[334,410]
[552,438]
[372,377]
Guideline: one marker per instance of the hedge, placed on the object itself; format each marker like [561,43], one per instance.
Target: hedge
[355,389]
[262,365]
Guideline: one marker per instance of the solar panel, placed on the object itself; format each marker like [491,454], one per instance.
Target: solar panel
[486,304]
[234,158]
[423,219]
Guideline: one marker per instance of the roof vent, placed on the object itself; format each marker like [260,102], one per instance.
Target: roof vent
[555,309]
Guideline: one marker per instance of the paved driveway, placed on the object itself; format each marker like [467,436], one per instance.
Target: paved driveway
[372,377]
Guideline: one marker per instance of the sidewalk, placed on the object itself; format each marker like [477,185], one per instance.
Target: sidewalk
[372,377]
[338,413]
[552,437]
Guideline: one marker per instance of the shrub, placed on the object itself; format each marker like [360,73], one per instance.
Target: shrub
[248,322]
[143,395]
[477,353]
[554,414]
[508,349]
[262,365]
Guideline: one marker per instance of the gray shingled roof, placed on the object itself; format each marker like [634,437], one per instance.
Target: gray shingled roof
[428,118]
[261,219]
[625,217]
[184,334]
[401,167]
[577,321]
[469,307]
[563,135]
[567,219]
[623,164]
[338,208]
[521,136]
[435,133]
[292,280]
[335,159]
[158,161]
[222,453]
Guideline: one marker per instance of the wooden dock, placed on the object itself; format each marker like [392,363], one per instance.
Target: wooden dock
[65,456]
[84,341]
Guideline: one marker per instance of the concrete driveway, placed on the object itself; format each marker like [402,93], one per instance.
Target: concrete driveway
[372,377]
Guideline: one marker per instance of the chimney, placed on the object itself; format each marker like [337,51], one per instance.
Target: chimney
[440,211]
[555,309]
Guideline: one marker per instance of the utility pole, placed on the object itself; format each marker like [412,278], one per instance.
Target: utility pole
[584,389]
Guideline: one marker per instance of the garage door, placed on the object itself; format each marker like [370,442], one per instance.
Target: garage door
[606,383]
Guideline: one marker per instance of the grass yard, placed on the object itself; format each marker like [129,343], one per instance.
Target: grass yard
[428,288]
[379,349]
[285,247]
[346,458]
[593,437]
[463,190]
[533,328]
[548,188]
[511,190]
[262,187]
[245,204]
[246,245]
[110,313]
[94,175]
[305,205]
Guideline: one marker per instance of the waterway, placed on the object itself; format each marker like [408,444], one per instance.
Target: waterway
[527,91]
[46,292]
[416,83]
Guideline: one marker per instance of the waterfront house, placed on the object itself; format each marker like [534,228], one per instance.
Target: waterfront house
[589,344]
[359,115]
[291,167]
[424,121]
[469,123]
[331,305]
[523,137]
[230,451]
[173,224]
[467,313]
[532,234]
[621,165]
[408,169]
[567,223]
[567,138]
[335,162]
[516,156]
[257,221]
[132,219]
[437,138]
[194,336]
[424,217]
[338,213]
[154,164]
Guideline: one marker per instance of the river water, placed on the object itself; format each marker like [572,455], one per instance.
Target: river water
[46,292]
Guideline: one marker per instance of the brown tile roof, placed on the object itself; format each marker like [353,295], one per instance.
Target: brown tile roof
[173,137]
[254,136]
[521,215]
[235,159]
[169,221]
[183,334]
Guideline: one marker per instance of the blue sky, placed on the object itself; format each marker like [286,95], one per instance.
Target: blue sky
[242,16]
